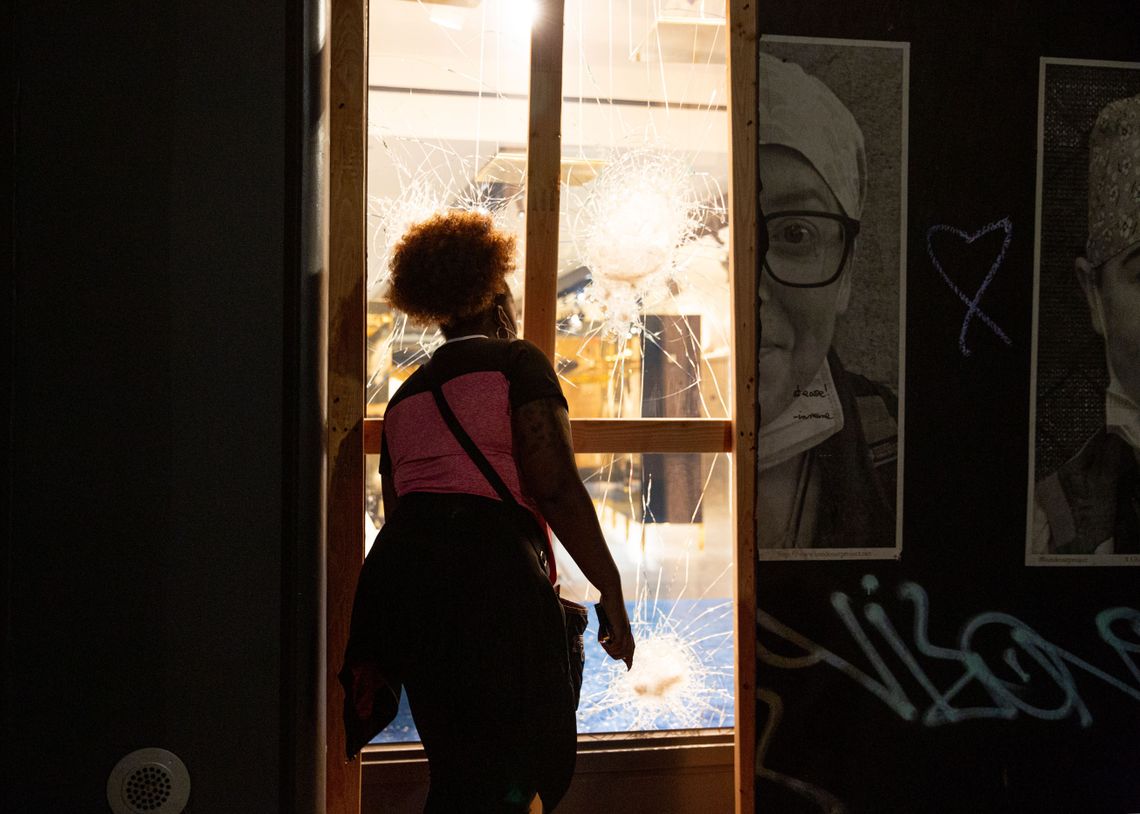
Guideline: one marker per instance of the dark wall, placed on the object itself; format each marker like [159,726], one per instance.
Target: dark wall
[162,556]
[867,703]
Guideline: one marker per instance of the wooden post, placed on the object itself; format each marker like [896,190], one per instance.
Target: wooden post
[344,529]
[543,163]
[743,85]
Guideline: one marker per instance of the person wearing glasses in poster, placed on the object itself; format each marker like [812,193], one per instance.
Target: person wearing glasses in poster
[1091,505]
[828,438]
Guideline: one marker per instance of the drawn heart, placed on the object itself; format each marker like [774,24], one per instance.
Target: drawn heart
[972,308]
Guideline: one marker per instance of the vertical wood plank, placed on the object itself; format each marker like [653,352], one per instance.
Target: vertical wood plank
[743,107]
[344,529]
[544,155]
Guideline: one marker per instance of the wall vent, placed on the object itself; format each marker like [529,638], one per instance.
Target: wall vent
[149,781]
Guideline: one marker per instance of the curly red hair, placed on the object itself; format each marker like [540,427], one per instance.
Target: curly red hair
[450,267]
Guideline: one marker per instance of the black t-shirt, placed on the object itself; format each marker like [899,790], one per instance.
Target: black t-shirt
[483,381]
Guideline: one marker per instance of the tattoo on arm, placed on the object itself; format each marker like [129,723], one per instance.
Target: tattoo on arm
[543,447]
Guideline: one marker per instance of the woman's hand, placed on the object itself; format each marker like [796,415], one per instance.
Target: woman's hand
[544,453]
[619,644]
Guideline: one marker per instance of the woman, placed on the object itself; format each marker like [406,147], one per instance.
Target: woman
[828,437]
[454,601]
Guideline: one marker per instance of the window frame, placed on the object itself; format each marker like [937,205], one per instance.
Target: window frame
[351,435]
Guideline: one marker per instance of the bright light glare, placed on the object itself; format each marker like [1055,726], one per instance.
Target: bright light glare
[519,16]
[666,680]
[635,239]
[639,211]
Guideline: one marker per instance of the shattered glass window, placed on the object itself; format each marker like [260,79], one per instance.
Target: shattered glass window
[643,320]
[643,288]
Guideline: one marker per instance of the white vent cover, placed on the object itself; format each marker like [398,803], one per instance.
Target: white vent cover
[149,781]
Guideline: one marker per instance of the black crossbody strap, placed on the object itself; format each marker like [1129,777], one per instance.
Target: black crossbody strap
[468,445]
[481,461]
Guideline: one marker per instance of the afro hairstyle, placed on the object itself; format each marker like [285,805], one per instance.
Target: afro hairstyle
[450,267]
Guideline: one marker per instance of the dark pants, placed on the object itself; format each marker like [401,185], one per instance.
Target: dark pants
[478,639]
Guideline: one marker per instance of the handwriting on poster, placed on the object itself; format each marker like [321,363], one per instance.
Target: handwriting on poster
[812,415]
[1000,662]
[824,416]
[973,309]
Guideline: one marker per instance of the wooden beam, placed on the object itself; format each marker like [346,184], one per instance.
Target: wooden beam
[743,106]
[344,522]
[373,428]
[624,435]
[652,435]
[543,167]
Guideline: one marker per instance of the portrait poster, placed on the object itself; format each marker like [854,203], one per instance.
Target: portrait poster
[831,352]
[1083,505]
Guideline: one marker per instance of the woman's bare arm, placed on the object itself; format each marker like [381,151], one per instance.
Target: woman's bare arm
[545,457]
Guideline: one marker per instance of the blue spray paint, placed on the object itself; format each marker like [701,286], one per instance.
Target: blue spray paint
[1049,666]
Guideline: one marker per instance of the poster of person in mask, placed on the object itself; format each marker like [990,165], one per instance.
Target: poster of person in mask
[1085,466]
[832,131]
